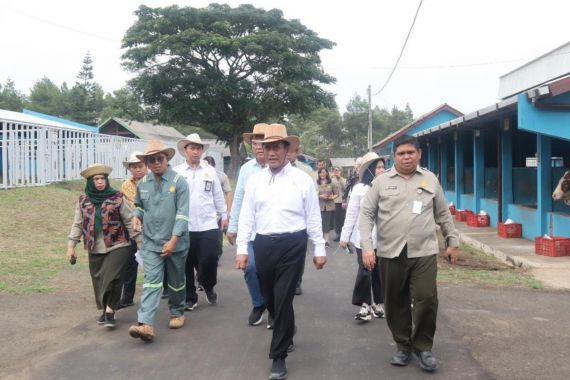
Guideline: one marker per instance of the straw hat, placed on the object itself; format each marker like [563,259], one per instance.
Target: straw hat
[96,169]
[278,132]
[155,147]
[133,159]
[367,160]
[193,138]
[258,129]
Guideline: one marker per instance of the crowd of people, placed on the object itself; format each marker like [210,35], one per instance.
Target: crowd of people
[172,219]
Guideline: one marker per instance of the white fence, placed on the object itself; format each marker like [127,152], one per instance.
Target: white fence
[35,155]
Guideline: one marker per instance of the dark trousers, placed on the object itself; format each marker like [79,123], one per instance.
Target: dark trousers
[410,280]
[130,276]
[106,274]
[339,215]
[202,256]
[366,281]
[279,260]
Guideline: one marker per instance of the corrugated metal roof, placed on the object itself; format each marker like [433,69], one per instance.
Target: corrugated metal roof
[344,162]
[147,131]
[70,123]
[19,117]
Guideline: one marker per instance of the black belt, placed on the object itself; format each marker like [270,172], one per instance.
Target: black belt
[286,234]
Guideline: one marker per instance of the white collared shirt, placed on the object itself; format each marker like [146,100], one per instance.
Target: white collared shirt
[282,203]
[206,201]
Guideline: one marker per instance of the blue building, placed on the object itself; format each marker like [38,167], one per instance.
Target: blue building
[507,158]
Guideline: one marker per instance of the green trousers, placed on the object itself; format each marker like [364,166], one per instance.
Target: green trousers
[106,271]
[406,281]
[154,266]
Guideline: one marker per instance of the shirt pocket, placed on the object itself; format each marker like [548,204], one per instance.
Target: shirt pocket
[144,195]
[389,199]
[426,196]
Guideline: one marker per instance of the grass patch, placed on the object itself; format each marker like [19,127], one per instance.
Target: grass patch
[35,223]
[475,267]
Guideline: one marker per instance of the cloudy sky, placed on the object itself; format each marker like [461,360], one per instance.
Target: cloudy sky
[455,55]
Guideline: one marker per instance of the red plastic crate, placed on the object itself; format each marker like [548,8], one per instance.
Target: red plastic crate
[452,210]
[511,230]
[461,215]
[474,220]
[554,247]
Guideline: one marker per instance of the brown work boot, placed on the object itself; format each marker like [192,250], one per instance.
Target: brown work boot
[145,332]
[176,321]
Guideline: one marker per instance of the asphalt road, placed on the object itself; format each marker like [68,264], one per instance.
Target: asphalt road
[482,334]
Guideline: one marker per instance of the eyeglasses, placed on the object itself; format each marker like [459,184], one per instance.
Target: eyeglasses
[153,159]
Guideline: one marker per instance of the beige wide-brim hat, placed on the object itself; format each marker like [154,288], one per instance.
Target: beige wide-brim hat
[367,160]
[258,130]
[278,132]
[193,138]
[96,169]
[155,147]
[133,159]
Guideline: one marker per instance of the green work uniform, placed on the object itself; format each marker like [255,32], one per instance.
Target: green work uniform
[407,211]
[162,205]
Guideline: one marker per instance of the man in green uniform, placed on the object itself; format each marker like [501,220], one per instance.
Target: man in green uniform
[407,202]
[162,206]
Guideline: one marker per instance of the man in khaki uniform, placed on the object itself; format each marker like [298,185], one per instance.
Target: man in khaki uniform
[407,201]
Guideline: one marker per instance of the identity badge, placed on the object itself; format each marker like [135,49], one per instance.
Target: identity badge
[417,207]
[207,185]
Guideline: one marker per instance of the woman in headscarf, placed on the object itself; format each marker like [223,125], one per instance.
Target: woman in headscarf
[367,293]
[103,218]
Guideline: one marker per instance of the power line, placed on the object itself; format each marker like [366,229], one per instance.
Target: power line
[401,51]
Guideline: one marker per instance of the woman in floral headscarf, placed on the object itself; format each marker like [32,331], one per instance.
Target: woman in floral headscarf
[103,219]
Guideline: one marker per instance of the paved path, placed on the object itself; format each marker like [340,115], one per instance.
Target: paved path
[217,343]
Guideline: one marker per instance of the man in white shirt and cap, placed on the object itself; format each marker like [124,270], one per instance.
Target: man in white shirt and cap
[282,207]
[206,204]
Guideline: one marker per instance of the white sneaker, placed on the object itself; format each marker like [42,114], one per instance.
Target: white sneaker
[364,314]
[378,311]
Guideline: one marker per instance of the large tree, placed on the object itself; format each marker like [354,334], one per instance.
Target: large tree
[10,98]
[225,69]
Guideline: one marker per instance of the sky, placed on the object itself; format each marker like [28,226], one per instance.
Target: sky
[456,53]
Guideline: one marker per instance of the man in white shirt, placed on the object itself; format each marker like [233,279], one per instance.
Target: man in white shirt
[206,204]
[282,207]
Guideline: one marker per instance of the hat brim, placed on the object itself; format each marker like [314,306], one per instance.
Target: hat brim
[127,163]
[182,144]
[247,137]
[365,165]
[169,152]
[95,170]
[292,140]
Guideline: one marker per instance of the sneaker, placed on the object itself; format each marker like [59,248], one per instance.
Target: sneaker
[269,322]
[191,305]
[101,319]
[378,311]
[291,347]
[256,315]
[364,314]
[211,297]
[327,244]
[427,360]
[176,321]
[278,369]
[109,320]
[200,288]
[145,332]
[401,359]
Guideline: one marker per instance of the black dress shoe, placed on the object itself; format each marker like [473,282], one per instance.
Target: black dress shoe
[401,359]
[337,238]
[427,361]
[278,369]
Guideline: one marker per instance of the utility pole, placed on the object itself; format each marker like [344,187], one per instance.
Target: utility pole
[369,118]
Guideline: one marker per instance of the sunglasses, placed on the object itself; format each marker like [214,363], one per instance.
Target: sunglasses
[153,159]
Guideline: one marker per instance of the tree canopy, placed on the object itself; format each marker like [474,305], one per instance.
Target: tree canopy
[225,69]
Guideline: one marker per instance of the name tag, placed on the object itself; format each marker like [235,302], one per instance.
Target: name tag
[417,207]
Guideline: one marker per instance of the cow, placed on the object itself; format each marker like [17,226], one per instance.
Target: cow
[562,191]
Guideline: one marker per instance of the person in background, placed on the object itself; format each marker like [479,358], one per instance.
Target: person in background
[339,212]
[350,182]
[320,164]
[327,193]
[103,219]
[407,203]
[247,170]
[367,281]
[206,205]
[281,207]
[162,208]
[228,196]
[138,169]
